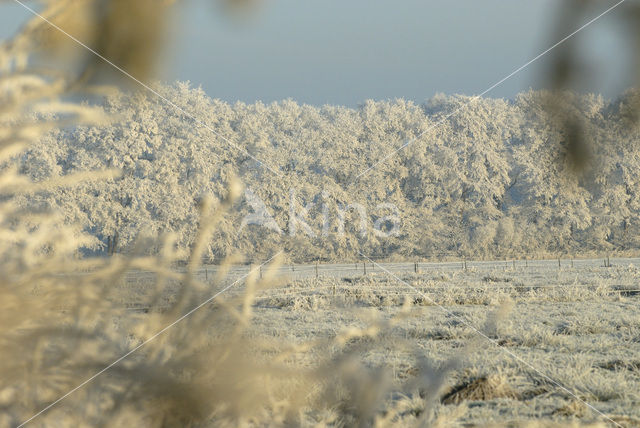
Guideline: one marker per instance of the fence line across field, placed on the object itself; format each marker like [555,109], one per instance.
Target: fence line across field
[298,271]
[352,273]
[363,268]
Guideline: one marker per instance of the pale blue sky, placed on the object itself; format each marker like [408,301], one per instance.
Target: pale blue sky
[347,51]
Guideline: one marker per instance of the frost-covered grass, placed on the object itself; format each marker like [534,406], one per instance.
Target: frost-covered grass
[577,325]
[492,345]
[574,325]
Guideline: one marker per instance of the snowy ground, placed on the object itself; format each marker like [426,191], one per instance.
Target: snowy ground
[552,340]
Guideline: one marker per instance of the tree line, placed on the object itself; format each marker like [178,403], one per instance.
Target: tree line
[472,177]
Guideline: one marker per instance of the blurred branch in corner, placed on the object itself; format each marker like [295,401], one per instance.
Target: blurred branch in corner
[127,33]
[569,67]
[130,34]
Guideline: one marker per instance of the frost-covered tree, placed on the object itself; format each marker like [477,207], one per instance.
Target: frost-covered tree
[473,177]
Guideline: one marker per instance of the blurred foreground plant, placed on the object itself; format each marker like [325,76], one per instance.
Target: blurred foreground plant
[73,354]
[64,320]
[569,68]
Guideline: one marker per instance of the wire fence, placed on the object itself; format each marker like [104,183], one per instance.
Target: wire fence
[479,276]
[298,271]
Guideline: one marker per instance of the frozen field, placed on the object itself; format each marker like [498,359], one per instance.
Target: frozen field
[515,341]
